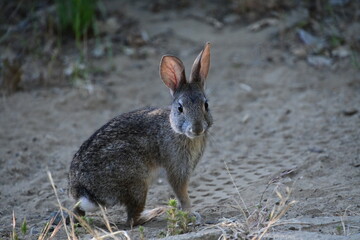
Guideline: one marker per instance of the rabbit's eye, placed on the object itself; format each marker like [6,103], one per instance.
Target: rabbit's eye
[180,108]
[206,105]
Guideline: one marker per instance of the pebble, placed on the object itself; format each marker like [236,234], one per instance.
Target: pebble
[319,61]
[98,51]
[306,37]
[128,51]
[341,52]
[316,150]
[350,112]
[245,87]
[299,52]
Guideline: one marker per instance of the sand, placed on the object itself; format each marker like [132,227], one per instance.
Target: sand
[272,113]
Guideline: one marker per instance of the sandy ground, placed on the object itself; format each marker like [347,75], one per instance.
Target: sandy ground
[271,113]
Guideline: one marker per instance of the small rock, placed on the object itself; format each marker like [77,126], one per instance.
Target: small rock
[98,51]
[245,87]
[355,165]
[212,221]
[341,52]
[128,51]
[246,118]
[350,112]
[308,39]
[319,61]
[262,24]
[144,35]
[299,52]
[315,150]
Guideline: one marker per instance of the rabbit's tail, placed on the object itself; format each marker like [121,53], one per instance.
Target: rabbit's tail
[148,215]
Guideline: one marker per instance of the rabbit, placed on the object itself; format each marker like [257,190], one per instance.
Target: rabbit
[116,164]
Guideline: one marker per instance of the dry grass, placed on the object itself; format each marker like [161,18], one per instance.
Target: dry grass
[96,233]
[254,224]
[49,232]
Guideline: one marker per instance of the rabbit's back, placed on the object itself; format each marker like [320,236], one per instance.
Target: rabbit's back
[121,154]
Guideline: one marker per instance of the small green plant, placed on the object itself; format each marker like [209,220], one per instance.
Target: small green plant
[336,41]
[89,220]
[24,227]
[161,234]
[339,229]
[178,221]
[142,233]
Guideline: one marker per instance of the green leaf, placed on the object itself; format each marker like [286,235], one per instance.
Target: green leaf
[172,203]
[24,227]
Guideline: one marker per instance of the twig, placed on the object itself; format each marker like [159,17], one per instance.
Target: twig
[343,221]
[237,189]
[58,200]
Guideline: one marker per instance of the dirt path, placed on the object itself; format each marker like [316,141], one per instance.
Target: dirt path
[272,113]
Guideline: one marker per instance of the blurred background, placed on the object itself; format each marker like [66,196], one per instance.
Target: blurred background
[57,43]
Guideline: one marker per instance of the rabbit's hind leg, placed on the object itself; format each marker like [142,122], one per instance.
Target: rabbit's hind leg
[135,204]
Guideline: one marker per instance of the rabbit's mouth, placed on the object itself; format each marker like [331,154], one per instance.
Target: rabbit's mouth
[193,135]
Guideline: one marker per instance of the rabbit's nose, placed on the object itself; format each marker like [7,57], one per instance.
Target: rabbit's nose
[196,129]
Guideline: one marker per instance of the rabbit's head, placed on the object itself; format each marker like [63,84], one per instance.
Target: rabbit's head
[190,114]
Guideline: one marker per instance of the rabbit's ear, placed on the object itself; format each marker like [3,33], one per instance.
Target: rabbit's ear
[200,68]
[172,72]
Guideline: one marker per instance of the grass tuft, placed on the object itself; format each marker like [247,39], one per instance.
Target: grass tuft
[98,233]
[142,232]
[256,223]
[259,221]
[24,227]
[178,222]
[76,16]
[49,232]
